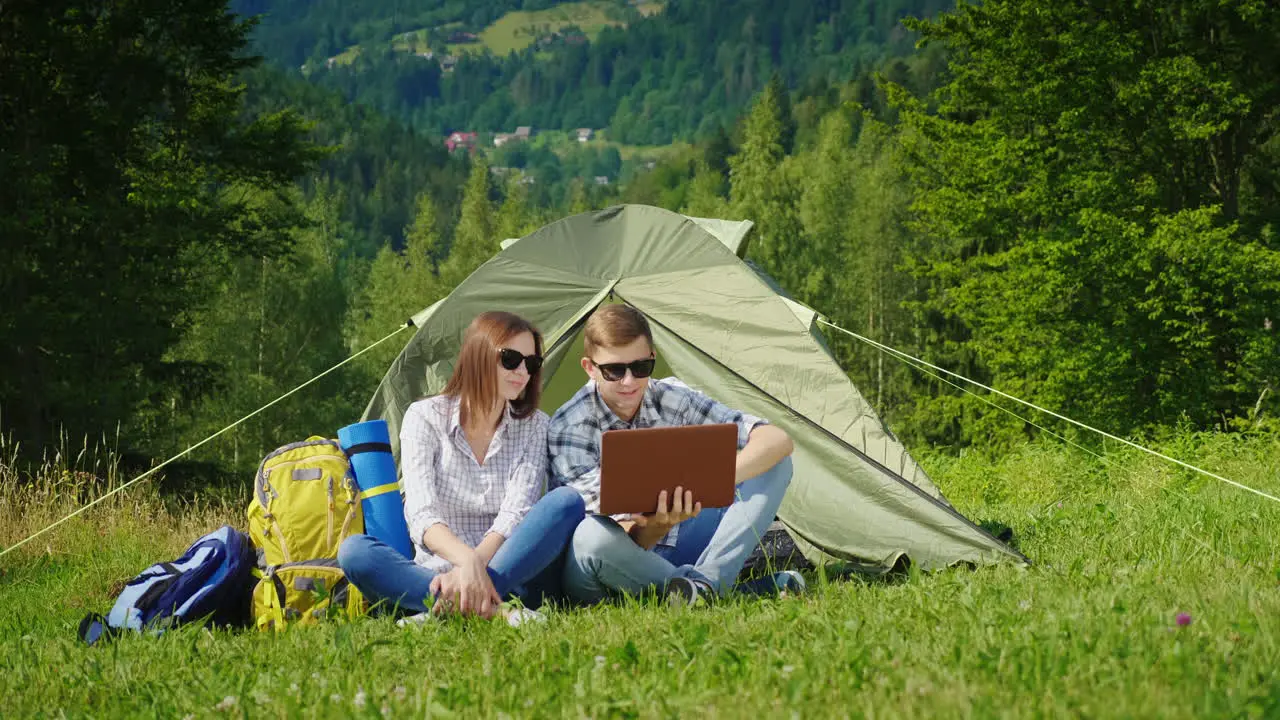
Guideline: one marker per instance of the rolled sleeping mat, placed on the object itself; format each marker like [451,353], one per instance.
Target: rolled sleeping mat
[368,445]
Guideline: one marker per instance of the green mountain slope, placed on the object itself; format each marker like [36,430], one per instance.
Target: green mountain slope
[676,74]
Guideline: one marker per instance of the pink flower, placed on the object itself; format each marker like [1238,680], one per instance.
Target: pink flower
[1184,619]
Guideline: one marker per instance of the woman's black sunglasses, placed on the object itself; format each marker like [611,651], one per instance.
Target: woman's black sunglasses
[510,360]
[614,372]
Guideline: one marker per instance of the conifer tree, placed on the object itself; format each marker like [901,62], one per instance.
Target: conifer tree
[515,219]
[762,190]
[476,238]
[579,202]
[399,284]
[781,97]
[706,193]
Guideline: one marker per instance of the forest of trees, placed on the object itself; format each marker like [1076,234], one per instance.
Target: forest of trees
[679,75]
[1076,204]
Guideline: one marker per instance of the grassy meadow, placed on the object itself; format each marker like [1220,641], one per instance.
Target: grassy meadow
[1121,547]
[517,30]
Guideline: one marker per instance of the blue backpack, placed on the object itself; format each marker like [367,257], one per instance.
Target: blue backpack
[210,582]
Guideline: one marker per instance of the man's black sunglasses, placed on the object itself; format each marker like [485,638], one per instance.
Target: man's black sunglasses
[510,360]
[614,372]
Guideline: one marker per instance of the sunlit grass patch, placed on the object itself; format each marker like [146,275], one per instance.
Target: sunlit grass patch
[1152,593]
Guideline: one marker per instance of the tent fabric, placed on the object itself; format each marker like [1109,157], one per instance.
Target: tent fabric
[721,326]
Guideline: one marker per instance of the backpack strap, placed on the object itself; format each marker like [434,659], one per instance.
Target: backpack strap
[93,628]
[368,447]
[148,598]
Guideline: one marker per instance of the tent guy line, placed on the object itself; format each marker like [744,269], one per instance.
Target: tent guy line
[905,357]
[184,453]
[1007,411]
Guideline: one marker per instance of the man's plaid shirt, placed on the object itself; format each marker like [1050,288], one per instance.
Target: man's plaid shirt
[573,438]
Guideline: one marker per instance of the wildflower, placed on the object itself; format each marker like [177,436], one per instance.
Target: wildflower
[1184,619]
[788,669]
[600,660]
[227,703]
[335,698]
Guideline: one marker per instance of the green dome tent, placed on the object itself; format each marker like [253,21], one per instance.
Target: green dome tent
[721,327]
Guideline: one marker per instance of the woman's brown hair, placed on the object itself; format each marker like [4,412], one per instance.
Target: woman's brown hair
[475,379]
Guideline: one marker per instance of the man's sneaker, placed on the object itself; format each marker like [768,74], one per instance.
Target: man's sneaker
[421,618]
[790,582]
[688,592]
[786,582]
[517,616]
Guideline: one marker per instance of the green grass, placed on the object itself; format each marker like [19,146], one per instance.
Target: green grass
[1120,549]
[516,31]
[346,57]
[564,142]
[650,8]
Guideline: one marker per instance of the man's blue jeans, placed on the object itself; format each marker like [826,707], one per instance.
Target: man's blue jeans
[603,560]
[527,566]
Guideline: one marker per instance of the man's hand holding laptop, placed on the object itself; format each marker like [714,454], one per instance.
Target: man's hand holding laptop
[648,528]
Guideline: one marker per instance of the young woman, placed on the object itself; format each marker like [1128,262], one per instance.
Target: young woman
[474,466]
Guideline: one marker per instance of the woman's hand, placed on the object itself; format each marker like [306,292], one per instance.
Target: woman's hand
[466,589]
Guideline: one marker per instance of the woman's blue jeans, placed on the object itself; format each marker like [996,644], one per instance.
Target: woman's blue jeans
[527,566]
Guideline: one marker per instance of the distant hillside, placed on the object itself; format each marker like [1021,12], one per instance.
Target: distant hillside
[517,31]
[677,74]
[294,32]
[513,32]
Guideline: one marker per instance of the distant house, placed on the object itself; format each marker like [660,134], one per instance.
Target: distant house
[459,37]
[602,179]
[585,134]
[461,140]
[448,63]
[522,133]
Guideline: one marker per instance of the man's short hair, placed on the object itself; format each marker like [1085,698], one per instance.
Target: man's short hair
[615,326]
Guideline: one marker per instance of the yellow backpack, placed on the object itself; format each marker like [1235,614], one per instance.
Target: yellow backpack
[305,503]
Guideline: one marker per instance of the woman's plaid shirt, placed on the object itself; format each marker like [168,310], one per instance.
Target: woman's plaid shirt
[443,482]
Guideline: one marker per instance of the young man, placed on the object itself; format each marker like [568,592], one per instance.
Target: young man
[687,552]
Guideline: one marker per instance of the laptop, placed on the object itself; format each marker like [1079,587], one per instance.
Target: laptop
[635,465]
